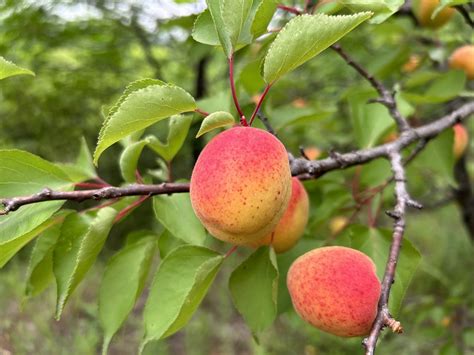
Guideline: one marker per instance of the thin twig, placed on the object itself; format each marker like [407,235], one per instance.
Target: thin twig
[259,104]
[266,122]
[387,98]
[243,120]
[465,14]
[290,9]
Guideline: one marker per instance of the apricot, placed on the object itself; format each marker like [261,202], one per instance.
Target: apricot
[411,64]
[291,226]
[335,289]
[423,10]
[463,58]
[461,140]
[338,224]
[241,185]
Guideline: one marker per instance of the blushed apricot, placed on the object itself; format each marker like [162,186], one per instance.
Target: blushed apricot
[241,185]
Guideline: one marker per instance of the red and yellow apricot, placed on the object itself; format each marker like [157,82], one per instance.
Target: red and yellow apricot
[335,289]
[423,10]
[461,140]
[241,185]
[463,58]
[291,226]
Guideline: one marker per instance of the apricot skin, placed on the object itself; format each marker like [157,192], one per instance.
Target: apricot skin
[336,290]
[241,185]
[423,9]
[461,140]
[463,58]
[291,226]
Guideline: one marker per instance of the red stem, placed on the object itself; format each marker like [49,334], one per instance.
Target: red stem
[243,121]
[130,207]
[231,251]
[262,97]
[201,112]
[293,10]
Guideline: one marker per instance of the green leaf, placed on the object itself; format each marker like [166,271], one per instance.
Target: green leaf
[178,288]
[215,120]
[8,69]
[129,160]
[214,7]
[176,214]
[83,168]
[122,283]
[303,38]
[370,120]
[376,244]
[139,108]
[264,14]
[254,288]
[167,243]
[204,30]
[23,174]
[177,132]
[382,9]
[234,15]
[40,267]
[82,238]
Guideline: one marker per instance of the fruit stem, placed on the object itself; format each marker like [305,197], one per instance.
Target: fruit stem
[243,121]
[259,104]
[231,251]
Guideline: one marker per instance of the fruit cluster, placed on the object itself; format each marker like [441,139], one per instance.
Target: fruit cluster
[243,193]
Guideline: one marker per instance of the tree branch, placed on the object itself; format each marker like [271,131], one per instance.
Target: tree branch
[464,195]
[465,14]
[14,203]
[387,98]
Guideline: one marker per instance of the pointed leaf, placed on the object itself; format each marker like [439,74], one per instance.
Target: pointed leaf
[204,30]
[40,267]
[122,283]
[142,108]
[8,69]
[180,284]
[234,15]
[178,130]
[264,14]
[22,174]
[254,288]
[214,7]
[82,238]
[176,214]
[303,38]
[129,160]
[83,168]
[215,120]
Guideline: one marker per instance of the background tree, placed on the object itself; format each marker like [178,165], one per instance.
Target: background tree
[388,75]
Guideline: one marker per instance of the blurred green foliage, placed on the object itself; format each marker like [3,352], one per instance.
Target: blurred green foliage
[82,64]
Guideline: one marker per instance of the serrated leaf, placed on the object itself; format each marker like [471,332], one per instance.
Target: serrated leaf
[82,238]
[40,267]
[234,15]
[178,288]
[178,129]
[122,283]
[263,16]
[83,168]
[304,37]
[375,243]
[129,160]
[176,214]
[214,7]
[23,174]
[215,120]
[382,9]
[259,273]
[8,69]
[141,108]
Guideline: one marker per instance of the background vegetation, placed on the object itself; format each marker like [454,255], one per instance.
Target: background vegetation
[85,52]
